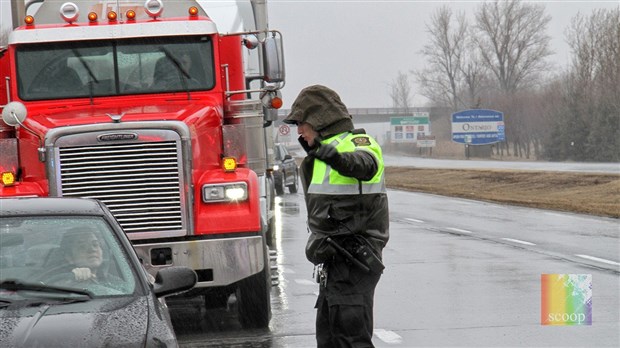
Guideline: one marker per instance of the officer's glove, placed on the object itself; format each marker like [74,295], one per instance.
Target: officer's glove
[327,153]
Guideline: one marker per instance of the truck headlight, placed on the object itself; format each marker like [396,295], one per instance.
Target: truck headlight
[225,192]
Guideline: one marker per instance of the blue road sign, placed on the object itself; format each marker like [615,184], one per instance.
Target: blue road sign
[478,127]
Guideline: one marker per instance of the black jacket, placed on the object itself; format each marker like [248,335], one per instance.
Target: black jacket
[365,215]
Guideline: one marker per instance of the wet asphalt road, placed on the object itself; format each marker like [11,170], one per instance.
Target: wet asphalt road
[458,273]
[584,167]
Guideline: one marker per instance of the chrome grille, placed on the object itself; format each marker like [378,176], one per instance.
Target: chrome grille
[139,182]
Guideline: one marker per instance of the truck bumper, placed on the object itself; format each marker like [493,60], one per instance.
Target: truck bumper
[218,262]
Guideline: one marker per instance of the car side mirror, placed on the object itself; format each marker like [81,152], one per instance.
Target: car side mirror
[173,280]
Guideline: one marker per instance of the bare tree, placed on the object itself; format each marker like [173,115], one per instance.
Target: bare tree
[593,96]
[400,92]
[442,79]
[595,42]
[512,41]
[475,78]
[510,37]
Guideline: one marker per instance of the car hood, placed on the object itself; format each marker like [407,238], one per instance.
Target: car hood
[96,323]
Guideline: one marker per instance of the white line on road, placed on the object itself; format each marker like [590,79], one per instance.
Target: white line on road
[414,220]
[598,259]
[518,241]
[458,230]
[389,337]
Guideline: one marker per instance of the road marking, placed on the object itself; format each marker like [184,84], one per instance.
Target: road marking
[598,259]
[556,214]
[414,220]
[458,230]
[305,282]
[518,241]
[389,337]
[462,202]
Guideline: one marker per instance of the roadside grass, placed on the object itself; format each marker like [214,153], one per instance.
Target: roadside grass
[587,193]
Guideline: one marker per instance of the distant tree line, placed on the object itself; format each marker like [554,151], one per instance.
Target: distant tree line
[501,61]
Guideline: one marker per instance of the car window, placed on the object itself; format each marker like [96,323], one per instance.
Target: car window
[73,252]
[281,152]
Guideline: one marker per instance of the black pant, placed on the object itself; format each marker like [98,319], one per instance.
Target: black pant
[345,307]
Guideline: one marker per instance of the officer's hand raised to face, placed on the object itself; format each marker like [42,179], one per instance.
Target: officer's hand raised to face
[326,153]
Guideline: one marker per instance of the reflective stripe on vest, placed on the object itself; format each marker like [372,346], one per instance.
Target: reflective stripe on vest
[328,181]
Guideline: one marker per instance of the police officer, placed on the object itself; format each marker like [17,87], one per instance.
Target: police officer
[346,200]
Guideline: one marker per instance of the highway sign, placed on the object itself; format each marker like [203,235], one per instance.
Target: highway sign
[426,141]
[478,127]
[407,129]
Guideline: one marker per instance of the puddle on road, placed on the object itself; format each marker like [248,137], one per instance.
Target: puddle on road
[290,208]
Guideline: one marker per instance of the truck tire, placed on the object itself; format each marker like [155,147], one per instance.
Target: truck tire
[254,300]
[216,298]
[271,224]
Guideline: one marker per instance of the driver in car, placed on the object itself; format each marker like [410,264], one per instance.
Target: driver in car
[83,252]
[83,255]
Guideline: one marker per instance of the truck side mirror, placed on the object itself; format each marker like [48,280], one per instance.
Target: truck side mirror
[273,58]
[14,113]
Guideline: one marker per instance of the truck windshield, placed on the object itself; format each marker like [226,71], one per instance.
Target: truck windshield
[80,69]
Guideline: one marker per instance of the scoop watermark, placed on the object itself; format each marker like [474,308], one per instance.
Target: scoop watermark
[566,299]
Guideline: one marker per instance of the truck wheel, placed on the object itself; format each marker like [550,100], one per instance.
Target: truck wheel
[292,188]
[216,299]
[271,224]
[270,235]
[253,300]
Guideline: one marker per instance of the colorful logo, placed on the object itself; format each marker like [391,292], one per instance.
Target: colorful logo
[566,299]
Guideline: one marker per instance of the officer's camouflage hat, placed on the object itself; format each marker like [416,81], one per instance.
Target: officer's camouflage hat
[322,108]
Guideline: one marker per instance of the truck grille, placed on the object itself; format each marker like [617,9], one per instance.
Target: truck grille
[138,182]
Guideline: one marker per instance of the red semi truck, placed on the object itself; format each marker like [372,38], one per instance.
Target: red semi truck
[147,107]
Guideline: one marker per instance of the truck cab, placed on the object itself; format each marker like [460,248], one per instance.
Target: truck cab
[147,108]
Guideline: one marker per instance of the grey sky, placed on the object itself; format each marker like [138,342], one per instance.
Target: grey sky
[358,47]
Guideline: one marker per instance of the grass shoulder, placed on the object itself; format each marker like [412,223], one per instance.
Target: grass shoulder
[587,193]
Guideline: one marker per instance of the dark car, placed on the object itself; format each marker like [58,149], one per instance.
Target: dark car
[285,171]
[69,277]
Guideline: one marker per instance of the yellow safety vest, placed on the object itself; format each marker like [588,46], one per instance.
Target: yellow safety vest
[327,181]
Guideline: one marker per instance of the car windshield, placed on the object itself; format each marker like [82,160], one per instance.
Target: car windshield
[80,253]
[281,152]
[74,69]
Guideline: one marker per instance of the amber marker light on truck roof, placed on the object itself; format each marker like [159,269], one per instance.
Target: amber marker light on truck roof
[92,17]
[131,15]
[29,20]
[8,178]
[112,16]
[193,11]
[229,164]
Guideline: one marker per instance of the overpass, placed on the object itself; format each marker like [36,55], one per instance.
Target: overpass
[376,122]
[380,115]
